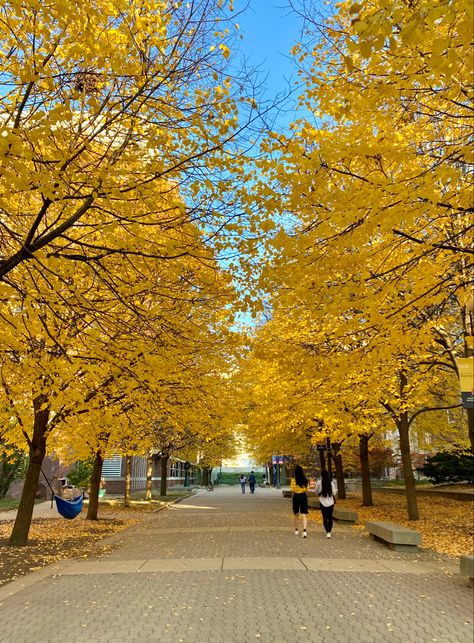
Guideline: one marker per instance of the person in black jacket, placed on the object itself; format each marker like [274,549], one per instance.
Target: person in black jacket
[252,481]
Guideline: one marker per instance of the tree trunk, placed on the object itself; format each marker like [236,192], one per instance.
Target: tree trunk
[365,470]
[94,487]
[341,485]
[128,480]
[164,470]
[410,487]
[322,460]
[21,528]
[328,452]
[149,476]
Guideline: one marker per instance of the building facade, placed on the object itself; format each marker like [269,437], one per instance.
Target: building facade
[177,473]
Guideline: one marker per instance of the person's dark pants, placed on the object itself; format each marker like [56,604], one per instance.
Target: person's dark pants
[242,486]
[327,517]
[252,487]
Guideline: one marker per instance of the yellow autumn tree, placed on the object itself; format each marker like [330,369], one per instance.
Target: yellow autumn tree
[120,127]
[80,347]
[99,103]
[373,259]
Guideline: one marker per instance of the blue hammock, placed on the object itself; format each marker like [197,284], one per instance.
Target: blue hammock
[69,508]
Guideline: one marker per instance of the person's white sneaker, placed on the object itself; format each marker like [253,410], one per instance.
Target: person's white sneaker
[328,535]
[297,532]
[304,533]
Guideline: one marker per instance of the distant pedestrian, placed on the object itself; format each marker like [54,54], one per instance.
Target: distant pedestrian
[102,488]
[242,480]
[327,499]
[299,488]
[252,481]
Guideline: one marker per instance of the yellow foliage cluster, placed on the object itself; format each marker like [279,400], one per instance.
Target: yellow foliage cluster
[114,178]
[368,280]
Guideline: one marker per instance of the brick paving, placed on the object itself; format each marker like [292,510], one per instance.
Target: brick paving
[227,567]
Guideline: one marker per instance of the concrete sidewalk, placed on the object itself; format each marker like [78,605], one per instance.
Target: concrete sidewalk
[40,510]
[224,566]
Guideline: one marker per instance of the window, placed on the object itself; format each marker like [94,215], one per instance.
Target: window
[112,467]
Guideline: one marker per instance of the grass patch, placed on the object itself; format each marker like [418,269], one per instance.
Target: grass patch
[401,483]
[6,504]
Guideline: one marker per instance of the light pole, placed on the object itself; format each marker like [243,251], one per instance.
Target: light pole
[187,466]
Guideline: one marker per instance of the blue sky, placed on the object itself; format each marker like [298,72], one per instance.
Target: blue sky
[269,31]
[270,28]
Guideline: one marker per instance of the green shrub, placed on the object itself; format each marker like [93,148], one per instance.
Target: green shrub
[449,466]
[80,474]
[227,477]
[7,504]
[13,465]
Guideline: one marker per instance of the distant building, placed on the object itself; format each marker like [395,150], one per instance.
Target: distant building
[113,473]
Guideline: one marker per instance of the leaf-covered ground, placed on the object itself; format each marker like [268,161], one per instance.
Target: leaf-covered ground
[56,539]
[446,526]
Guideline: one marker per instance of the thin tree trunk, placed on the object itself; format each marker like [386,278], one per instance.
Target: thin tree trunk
[341,485]
[328,453]
[365,470]
[322,460]
[410,486]
[149,476]
[128,480]
[94,487]
[164,471]
[21,528]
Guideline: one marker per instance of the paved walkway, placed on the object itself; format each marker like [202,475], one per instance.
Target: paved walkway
[227,567]
[40,510]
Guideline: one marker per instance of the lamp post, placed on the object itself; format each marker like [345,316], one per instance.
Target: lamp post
[187,466]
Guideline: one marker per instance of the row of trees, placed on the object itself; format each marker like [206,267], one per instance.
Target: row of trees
[121,133]
[127,184]
[368,275]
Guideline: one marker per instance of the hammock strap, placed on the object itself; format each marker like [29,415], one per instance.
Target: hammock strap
[49,485]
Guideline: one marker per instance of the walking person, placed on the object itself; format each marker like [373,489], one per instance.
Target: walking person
[299,488]
[252,481]
[242,481]
[327,499]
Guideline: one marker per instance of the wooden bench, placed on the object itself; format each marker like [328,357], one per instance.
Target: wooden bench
[341,514]
[466,564]
[397,537]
